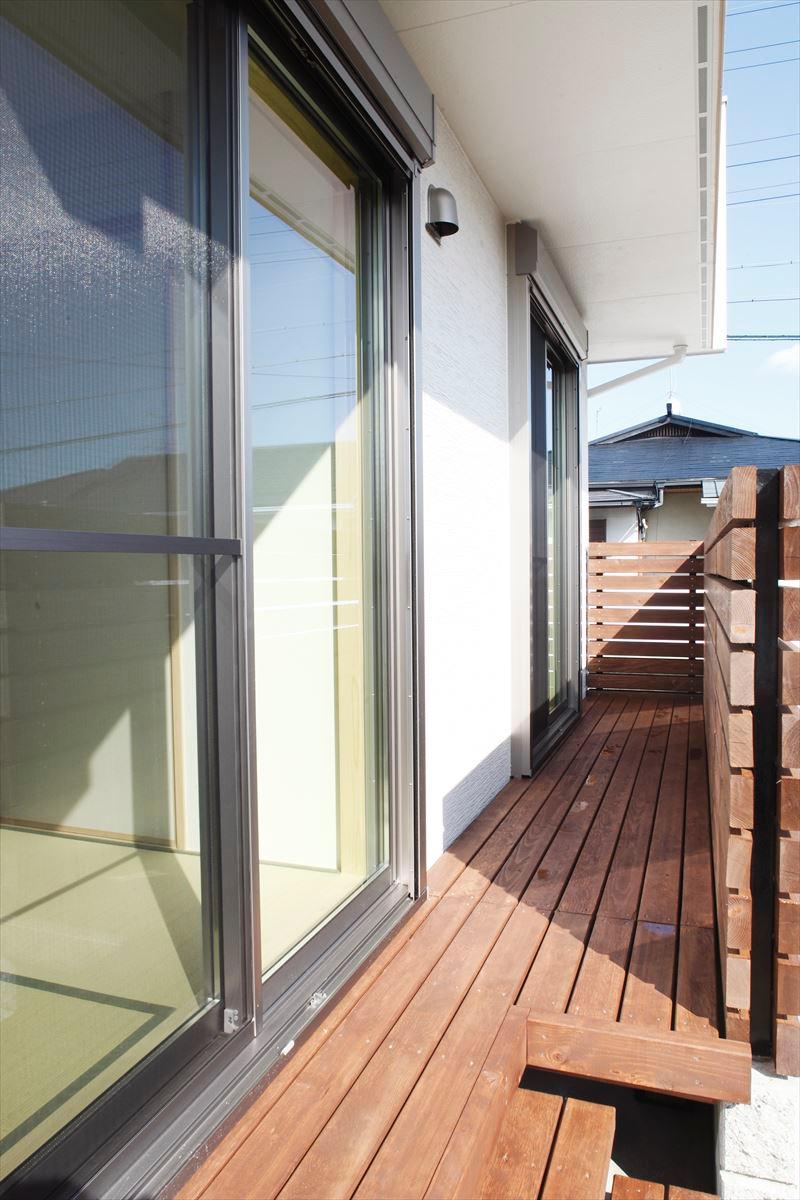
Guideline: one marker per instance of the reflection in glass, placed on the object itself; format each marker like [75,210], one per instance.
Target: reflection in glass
[101,384]
[103,937]
[313,415]
[555,443]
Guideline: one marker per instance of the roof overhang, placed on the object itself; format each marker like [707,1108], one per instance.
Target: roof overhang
[600,122]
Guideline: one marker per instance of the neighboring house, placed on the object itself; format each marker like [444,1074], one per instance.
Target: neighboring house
[660,481]
[298,298]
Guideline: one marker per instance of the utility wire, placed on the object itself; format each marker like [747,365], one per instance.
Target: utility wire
[755,162]
[763,187]
[766,300]
[773,62]
[764,46]
[743,11]
[778,137]
[763,337]
[789,262]
[763,199]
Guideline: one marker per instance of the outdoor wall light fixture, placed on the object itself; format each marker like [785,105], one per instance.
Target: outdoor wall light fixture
[442,214]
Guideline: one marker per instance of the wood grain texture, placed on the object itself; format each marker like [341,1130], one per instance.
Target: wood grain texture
[789,552]
[626,1188]
[709,1069]
[516,1168]
[461,1169]
[582,1152]
[790,492]
[734,555]
[736,504]
[735,607]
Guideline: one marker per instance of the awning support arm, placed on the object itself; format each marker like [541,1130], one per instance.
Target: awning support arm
[677,356]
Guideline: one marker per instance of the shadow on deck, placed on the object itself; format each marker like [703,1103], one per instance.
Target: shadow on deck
[571,927]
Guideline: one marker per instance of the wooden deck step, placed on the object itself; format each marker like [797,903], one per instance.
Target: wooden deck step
[582,1152]
[625,1188]
[522,1151]
[550,1148]
[695,1068]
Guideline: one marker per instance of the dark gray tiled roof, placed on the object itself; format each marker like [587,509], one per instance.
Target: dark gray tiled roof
[664,459]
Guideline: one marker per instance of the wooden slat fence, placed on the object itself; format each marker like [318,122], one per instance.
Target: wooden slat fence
[645,616]
[787,918]
[728,699]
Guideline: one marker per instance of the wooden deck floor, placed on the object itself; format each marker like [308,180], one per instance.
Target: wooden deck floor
[583,896]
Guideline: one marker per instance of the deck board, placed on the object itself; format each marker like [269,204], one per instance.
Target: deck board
[548,901]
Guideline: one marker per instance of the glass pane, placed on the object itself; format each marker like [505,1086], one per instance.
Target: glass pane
[102,280]
[103,889]
[314,412]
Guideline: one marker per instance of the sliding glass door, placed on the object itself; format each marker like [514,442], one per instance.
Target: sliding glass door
[207,758]
[109,884]
[555,538]
[315,252]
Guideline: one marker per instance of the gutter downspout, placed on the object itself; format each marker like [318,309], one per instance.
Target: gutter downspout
[677,356]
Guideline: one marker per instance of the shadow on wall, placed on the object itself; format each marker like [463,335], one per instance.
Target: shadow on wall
[461,805]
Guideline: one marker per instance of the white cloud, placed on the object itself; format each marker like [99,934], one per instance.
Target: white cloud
[787,361]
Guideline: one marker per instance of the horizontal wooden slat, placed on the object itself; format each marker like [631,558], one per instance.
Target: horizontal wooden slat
[647,683]
[790,492]
[790,738]
[736,664]
[672,564]
[735,607]
[647,666]
[697,1068]
[789,552]
[736,505]
[623,649]
[789,865]
[734,555]
[788,941]
[789,618]
[788,675]
[787,1046]
[646,633]
[645,549]
[689,587]
[789,804]
[787,988]
[623,615]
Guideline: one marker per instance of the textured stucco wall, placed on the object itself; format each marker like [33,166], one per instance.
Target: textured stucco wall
[465,503]
[680,518]
[759,1147]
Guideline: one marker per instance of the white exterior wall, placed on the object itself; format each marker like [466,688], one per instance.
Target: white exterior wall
[620,523]
[680,518]
[466,509]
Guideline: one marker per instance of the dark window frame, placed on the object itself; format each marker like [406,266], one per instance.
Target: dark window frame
[139,1132]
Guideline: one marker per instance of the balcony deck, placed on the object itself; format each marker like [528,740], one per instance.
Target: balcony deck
[578,909]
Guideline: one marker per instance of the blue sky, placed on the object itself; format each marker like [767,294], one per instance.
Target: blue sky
[755,385]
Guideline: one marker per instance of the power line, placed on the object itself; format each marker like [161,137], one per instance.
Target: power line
[755,162]
[789,262]
[764,46]
[763,199]
[762,187]
[778,137]
[763,337]
[743,11]
[766,300]
[773,62]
